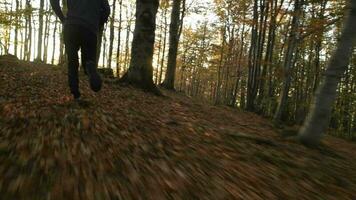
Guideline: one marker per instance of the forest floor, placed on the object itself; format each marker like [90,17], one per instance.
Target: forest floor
[127,144]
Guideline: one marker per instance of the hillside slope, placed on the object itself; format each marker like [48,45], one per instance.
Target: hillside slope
[127,144]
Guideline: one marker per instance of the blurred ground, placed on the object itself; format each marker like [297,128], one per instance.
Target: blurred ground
[127,144]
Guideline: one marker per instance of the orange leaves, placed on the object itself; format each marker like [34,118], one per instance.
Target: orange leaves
[127,144]
[85,122]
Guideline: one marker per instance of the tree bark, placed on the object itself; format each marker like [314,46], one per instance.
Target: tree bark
[252,79]
[318,119]
[140,73]
[99,43]
[168,82]
[16,27]
[40,32]
[112,32]
[164,47]
[118,68]
[54,40]
[46,36]
[289,60]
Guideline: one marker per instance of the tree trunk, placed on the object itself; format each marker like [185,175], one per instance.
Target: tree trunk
[320,111]
[252,78]
[112,32]
[40,32]
[16,27]
[238,68]
[118,68]
[28,35]
[289,60]
[99,43]
[54,40]
[140,72]
[46,36]
[220,66]
[168,82]
[62,57]
[128,30]
[164,47]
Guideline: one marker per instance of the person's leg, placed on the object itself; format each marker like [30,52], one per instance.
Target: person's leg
[83,63]
[89,49]
[72,48]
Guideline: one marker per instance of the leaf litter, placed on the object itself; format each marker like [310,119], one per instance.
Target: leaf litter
[123,143]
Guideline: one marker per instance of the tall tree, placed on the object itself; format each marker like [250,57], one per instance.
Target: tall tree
[112,32]
[252,82]
[140,72]
[40,32]
[54,40]
[16,27]
[289,59]
[28,41]
[168,82]
[118,68]
[320,111]
[101,33]
[165,25]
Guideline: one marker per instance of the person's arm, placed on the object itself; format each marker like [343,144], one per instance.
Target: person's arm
[57,9]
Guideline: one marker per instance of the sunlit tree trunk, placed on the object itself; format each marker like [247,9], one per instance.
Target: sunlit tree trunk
[140,72]
[17,25]
[40,32]
[220,66]
[101,32]
[112,32]
[29,34]
[46,36]
[127,40]
[54,40]
[158,58]
[164,46]
[62,57]
[118,64]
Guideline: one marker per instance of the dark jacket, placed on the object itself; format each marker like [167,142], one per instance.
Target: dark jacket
[89,13]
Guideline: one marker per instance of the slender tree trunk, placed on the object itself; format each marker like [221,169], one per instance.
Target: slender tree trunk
[169,79]
[46,36]
[112,32]
[289,60]
[220,66]
[17,24]
[128,30]
[318,119]
[54,40]
[238,69]
[101,32]
[29,49]
[62,57]
[40,32]
[104,50]
[140,72]
[158,58]
[252,79]
[118,68]
[164,47]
